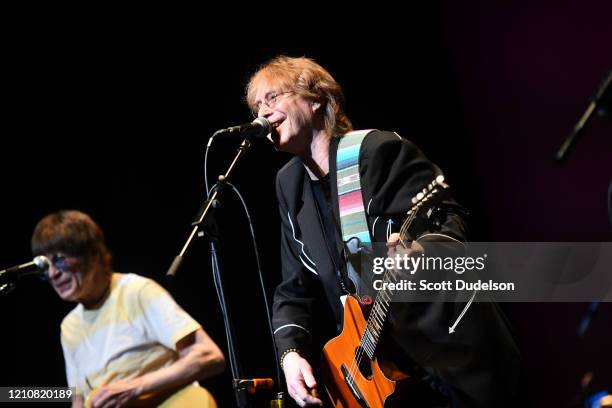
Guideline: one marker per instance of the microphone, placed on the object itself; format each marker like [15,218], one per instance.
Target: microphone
[36,265]
[258,128]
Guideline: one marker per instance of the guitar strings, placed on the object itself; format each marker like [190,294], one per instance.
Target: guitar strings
[364,343]
[379,299]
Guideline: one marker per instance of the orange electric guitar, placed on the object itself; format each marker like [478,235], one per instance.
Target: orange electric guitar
[353,375]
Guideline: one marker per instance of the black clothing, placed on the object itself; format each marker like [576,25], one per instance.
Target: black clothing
[478,365]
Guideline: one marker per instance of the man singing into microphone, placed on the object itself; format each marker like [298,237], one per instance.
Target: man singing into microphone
[305,107]
[127,340]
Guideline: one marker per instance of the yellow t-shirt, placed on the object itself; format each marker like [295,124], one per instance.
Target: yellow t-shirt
[133,332]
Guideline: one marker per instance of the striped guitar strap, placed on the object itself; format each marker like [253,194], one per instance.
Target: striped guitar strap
[353,220]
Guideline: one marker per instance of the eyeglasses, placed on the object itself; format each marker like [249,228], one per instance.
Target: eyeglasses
[270,100]
[64,263]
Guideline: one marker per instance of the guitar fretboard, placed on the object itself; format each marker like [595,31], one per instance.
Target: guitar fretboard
[382,303]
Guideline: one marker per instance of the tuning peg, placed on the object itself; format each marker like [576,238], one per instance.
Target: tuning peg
[440,179]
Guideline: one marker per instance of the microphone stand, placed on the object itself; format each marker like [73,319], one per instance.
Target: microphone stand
[207,208]
[601,101]
[204,226]
[6,288]
[204,221]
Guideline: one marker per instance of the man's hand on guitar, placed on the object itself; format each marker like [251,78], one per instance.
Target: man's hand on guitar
[397,245]
[301,383]
[118,394]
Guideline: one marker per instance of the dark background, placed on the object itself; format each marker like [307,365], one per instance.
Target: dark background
[113,121]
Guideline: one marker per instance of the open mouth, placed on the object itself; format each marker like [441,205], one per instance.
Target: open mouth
[63,286]
[274,135]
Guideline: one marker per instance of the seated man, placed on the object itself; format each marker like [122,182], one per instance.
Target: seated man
[126,340]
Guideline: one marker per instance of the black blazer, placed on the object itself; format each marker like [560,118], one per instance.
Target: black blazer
[474,365]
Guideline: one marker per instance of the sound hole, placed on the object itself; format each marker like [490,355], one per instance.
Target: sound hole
[364,362]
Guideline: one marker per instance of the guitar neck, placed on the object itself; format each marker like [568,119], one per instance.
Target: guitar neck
[378,315]
[382,304]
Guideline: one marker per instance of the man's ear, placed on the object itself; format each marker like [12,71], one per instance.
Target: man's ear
[315,106]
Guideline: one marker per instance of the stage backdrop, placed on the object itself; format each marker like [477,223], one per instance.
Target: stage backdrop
[115,125]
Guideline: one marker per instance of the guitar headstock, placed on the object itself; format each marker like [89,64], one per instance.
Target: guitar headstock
[426,213]
[429,196]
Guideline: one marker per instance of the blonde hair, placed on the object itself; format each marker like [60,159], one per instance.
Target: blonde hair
[309,80]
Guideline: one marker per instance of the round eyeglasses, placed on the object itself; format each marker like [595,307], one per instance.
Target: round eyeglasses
[270,100]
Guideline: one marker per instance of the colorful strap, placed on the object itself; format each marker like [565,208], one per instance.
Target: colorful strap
[350,200]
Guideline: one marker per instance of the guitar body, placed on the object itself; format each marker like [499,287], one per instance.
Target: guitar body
[188,396]
[375,384]
[354,376]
